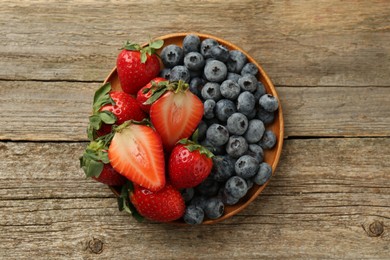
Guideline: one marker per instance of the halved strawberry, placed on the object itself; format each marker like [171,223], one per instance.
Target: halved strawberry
[176,113]
[146,92]
[136,152]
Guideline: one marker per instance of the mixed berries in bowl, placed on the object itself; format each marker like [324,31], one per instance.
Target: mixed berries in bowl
[185,129]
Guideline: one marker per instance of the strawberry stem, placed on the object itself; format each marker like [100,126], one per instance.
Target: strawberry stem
[149,49]
[127,123]
[193,146]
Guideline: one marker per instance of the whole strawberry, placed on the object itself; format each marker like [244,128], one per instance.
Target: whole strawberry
[146,92]
[137,66]
[164,205]
[189,164]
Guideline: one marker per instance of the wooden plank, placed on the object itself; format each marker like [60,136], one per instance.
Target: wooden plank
[327,200]
[299,43]
[59,110]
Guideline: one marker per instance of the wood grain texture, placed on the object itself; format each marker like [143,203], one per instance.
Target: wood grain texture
[59,110]
[299,43]
[327,200]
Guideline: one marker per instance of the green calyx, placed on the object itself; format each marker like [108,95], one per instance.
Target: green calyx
[193,146]
[159,89]
[149,49]
[94,157]
[124,203]
[101,98]
[126,124]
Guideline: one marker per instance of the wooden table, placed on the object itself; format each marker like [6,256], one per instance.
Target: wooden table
[330,63]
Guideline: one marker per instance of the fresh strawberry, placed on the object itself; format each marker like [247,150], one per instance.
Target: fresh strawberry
[164,205]
[176,113]
[146,92]
[137,66]
[137,153]
[189,164]
[95,164]
[111,107]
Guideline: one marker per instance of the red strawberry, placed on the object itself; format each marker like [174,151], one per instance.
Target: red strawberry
[136,152]
[176,114]
[95,164]
[146,92]
[164,205]
[137,66]
[189,164]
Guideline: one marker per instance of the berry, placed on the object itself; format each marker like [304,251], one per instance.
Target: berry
[228,199]
[236,61]
[136,152]
[206,46]
[265,116]
[194,61]
[172,55]
[268,141]
[214,208]
[188,194]
[236,146]
[248,82]
[224,109]
[249,68]
[179,72]
[255,131]
[230,89]
[223,168]
[269,103]
[202,128]
[211,90]
[208,187]
[219,52]
[246,166]
[191,43]
[137,66]
[264,174]
[236,187]
[165,73]
[145,93]
[215,71]
[196,85]
[110,177]
[193,215]
[233,76]
[189,164]
[164,205]
[246,102]
[256,151]
[217,134]
[237,124]
[209,106]
[199,201]
[259,91]
[216,150]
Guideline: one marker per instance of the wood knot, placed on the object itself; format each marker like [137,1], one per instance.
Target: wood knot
[375,229]
[96,246]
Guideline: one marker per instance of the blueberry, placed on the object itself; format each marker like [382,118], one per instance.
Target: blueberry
[191,43]
[246,166]
[246,102]
[248,83]
[224,109]
[268,141]
[196,85]
[172,55]
[255,131]
[236,146]
[217,134]
[216,150]
[194,61]
[228,199]
[165,73]
[252,114]
[265,116]
[256,151]
[196,73]
[236,187]
[223,168]
[250,68]
[237,124]
[193,215]
[214,208]
[215,71]
[259,91]
[233,76]
[199,201]
[263,175]
[230,89]
[211,90]
[188,194]
[249,183]
[269,102]
[202,128]
[219,52]
[206,45]
[209,187]
[179,72]
[208,111]
[236,61]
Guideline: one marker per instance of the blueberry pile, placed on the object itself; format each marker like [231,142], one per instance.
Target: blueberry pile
[237,110]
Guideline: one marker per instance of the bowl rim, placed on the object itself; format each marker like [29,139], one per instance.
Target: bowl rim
[280,135]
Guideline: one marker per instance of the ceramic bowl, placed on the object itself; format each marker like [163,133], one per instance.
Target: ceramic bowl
[270,156]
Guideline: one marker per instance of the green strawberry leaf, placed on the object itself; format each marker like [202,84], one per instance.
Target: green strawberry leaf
[107,117]
[144,57]
[102,92]
[95,122]
[157,44]
[94,168]
[193,146]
